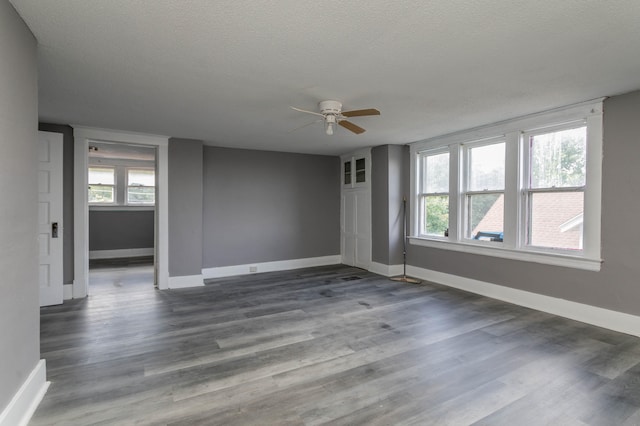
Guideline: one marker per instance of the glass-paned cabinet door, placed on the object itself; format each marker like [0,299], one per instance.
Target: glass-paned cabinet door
[354,171]
[361,172]
[347,172]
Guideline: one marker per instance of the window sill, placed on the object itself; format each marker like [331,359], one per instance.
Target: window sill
[117,208]
[567,261]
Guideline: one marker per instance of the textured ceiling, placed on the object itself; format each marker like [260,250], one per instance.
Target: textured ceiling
[226,71]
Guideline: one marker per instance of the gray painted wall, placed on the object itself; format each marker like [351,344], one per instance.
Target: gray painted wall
[67,194]
[616,286]
[19,312]
[388,186]
[120,229]
[264,206]
[185,207]
[398,188]
[380,204]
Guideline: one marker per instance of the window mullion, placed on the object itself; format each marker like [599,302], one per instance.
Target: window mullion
[455,200]
[121,185]
[512,185]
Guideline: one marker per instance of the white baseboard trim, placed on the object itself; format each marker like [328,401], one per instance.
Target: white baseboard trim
[613,320]
[67,291]
[124,253]
[279,265]
[186,281]
[385,270]
[26,400]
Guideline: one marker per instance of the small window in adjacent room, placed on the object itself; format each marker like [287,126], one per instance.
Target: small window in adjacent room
[101,185]
[141,186]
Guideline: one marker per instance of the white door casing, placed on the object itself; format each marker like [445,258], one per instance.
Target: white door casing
[50,225]
[82,136]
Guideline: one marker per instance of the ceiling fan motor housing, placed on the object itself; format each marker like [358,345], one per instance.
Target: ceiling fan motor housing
[330,107]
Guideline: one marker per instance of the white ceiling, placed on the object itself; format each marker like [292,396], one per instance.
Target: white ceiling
[226,71]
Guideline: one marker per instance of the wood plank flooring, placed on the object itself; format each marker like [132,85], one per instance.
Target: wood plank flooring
[328,345]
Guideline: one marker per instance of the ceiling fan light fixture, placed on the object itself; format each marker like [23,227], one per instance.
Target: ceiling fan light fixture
[329,129]
[330,121]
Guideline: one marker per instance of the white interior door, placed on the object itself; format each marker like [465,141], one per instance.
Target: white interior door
[50,218]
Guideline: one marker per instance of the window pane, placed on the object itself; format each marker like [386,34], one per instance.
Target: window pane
[436,173]
[558,159]
[141,194]
[100,194]
[436,214]
[486,217]
[556,219]
[101,176]
[486,167]
[141,178]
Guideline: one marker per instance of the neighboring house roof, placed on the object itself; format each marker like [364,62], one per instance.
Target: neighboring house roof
[557,219]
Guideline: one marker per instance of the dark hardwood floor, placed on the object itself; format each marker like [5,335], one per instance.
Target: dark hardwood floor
[327,345]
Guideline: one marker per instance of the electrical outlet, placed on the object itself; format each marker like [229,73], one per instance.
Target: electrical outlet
[253,269]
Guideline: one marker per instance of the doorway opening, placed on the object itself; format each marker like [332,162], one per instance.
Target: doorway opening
[120,203]
[121,198]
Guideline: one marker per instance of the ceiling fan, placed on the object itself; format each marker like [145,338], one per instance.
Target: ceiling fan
[332,114]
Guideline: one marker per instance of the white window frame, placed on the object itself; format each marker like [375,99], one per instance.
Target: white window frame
[514,243]
[526,190]
[423,194]
[465,191]
[114,186]
[121,186]
[127,186]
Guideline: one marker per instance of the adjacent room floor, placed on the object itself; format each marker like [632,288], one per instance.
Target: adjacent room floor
[327,345]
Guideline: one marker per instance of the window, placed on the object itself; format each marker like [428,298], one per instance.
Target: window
[484,191]
[141,186]
[526,189]
[101,185]
[434,193]
[119,185]
[555,187]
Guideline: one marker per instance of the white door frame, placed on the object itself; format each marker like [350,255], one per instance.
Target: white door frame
[82,136]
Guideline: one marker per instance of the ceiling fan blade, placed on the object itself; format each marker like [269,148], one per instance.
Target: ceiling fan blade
[350,126]
[361,112]
[305,111]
